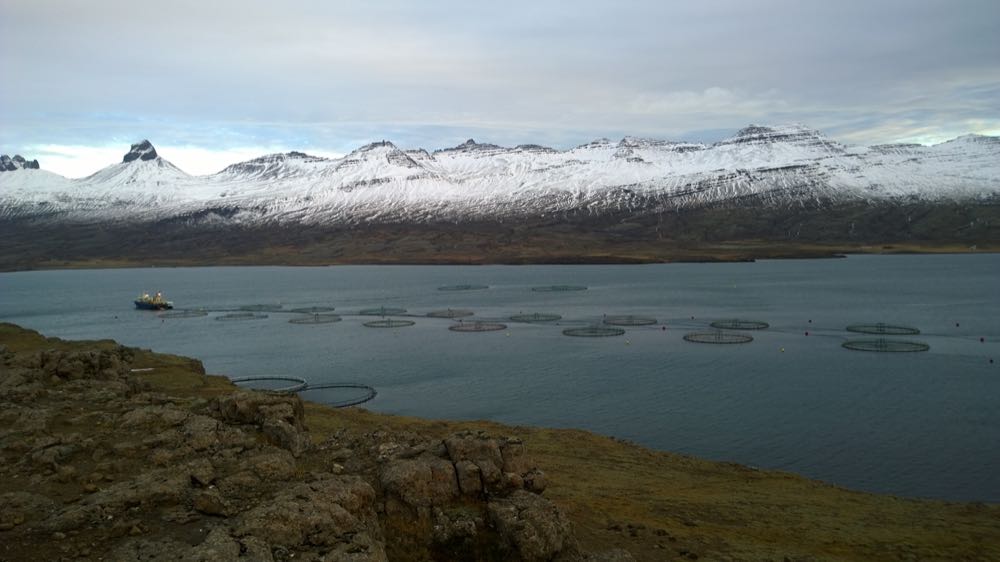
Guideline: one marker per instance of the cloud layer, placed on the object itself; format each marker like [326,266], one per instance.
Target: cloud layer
[231,75]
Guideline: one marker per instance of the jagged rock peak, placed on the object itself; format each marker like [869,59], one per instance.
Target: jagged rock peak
[8,164]
[471,145]
[793,134]
[373,152]
[376,145]
[140,151]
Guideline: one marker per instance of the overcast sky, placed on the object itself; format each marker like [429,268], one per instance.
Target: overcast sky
[213,82]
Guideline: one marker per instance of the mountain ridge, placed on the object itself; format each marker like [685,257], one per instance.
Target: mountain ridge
[786,184]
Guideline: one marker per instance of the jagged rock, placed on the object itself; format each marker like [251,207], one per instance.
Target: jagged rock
[140,151]
[210,502]
[470,478]
[101,365]
[420,483]
[279,416]
[483,451]
[338,512]
[286,436]
[531,526]
[8,164]
[252,407]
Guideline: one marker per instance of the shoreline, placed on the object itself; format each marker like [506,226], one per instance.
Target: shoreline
[616,495]
[836,252]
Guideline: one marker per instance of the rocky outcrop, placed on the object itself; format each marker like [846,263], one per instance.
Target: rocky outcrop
[93,464]
[140,151]
[8,164]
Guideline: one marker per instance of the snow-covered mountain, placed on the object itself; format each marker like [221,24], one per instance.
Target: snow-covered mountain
[380,182]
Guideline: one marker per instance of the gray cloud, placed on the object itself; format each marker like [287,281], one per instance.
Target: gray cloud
[320,73]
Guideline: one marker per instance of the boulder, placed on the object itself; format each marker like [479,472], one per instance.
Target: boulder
[531,526]
[421,482]
[336,512]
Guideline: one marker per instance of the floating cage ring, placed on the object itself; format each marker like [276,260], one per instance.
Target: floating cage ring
[299,385]
[717,337]
[594,332]
[535,317]
[463,287]
[313,309]
[261,307]
[885,346]
[450,313]
[183,314]
[736,324]
[883,329]
[316,319]
[241,316]
[629,320]
[559,288]
[389,323]
[370,393]
[477,327]
[382,311]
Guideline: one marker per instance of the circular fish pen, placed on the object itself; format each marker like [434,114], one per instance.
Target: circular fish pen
[535,317]
[236,316]
[463,287]
[629,320]
[382,311]
[261,307]
[882,329]
[559,288]
[885,346]
[313,309]
[316,319]
[183,314]
[450,313]
[366,393]
[298,383]
[389,323]
[736,324]
[594,332]
[717,337]
[477,327]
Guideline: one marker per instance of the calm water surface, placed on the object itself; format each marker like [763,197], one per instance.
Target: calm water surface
[915,424]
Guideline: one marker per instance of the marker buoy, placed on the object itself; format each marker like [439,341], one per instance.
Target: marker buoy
[807,333]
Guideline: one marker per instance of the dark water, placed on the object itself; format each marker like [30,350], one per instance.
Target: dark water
[915,424]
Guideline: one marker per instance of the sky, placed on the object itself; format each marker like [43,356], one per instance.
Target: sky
[212,83]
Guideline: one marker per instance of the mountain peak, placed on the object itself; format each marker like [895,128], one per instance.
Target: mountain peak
[140,151]
[470,145]
[792,134]
[8,164]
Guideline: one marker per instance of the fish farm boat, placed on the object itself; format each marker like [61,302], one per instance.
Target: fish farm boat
[156,302]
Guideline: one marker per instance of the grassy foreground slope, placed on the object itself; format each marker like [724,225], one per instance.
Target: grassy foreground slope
[656,505]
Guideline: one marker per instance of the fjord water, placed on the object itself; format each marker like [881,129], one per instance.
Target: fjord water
[914,424]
